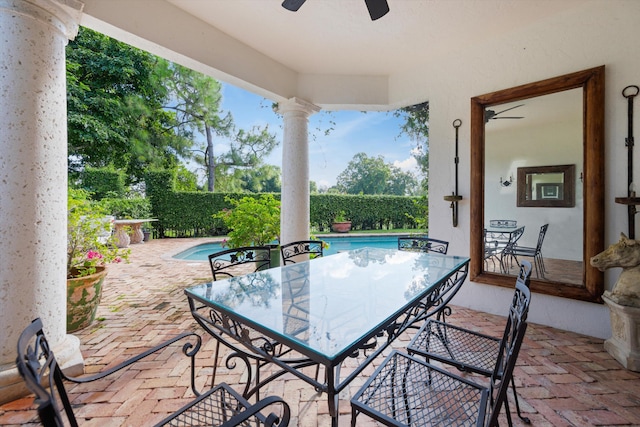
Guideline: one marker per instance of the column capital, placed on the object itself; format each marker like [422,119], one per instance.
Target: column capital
[297,105]
[63,15]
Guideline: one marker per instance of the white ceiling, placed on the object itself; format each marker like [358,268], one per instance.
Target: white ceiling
[338,36]
[280,54]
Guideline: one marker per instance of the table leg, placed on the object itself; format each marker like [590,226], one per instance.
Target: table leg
[332,396]
[137,236]
[122,238]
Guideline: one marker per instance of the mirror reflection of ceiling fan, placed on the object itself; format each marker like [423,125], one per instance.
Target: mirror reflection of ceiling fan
[492,115]
[377,8]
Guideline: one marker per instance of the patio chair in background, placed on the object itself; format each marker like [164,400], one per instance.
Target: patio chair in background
[535,253]
[467,350]
[291,250]
[220,406]
[422,244]
[225,264]
[407,390]
[502,244]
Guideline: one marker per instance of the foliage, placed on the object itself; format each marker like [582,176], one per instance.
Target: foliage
[341,216]
[252,221]
[89,239]
[138,207]
[103,182]
[371,175]
[185,179]
[260,179]
[416,126]
[421,217]
[115,95]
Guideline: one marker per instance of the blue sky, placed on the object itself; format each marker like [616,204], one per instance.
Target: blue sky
[375,133]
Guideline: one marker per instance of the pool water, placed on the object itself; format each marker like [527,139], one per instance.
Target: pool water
[336,244]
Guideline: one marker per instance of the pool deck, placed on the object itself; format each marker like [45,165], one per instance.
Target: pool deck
[564,379]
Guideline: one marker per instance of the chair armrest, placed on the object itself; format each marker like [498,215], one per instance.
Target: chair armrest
[189,349]
[272,419]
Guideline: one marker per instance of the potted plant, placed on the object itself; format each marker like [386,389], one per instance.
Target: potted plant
[340,223]
[253,222]
[90,246]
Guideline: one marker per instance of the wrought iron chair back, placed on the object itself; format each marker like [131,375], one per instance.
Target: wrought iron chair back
[291,250]
[535,252]
[503,223]
[407,390]
[243,260]
[221,405]
[509,349]
[422,244]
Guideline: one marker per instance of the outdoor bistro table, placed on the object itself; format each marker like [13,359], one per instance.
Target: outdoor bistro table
[323,311]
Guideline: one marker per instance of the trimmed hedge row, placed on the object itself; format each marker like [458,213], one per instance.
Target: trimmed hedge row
[186,214]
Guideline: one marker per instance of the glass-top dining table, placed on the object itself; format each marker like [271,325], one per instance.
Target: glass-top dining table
[321,312]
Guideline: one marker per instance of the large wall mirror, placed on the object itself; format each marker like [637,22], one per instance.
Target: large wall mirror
[554,129]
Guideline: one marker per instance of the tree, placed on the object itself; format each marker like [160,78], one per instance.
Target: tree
[260,179]
[416,126]
[196,100]
[115,95]
[371,175]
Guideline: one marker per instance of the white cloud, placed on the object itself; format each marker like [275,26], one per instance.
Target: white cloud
[408,165]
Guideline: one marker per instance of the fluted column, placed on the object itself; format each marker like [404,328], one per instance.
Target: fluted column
[294,217]
[33,178]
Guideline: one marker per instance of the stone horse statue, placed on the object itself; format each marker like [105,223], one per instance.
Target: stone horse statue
[625,254]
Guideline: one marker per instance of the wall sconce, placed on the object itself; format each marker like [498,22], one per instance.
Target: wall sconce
[506,183]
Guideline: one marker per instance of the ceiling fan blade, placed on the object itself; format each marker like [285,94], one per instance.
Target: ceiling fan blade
[292,5]
[496,118]
[500,112]
[377,8]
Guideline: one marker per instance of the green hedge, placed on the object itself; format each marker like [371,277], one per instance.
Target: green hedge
[136,208]
[103,182]
[185,214]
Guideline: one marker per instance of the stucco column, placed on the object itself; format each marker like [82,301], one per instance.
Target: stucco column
[33,179]
[294,216]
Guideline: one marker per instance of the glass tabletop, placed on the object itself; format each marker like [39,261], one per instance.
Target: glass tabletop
[327,304]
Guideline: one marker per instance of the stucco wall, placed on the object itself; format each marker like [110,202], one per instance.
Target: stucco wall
[601,32]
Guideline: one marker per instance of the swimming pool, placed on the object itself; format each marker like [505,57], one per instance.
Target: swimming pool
[336,244]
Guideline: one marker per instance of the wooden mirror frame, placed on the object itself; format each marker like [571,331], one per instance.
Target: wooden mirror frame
[592,82]
[567,194]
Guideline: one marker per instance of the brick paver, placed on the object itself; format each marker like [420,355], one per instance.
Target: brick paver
[564,379]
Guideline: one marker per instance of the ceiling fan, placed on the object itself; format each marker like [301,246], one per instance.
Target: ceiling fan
[377,8]
[492,115]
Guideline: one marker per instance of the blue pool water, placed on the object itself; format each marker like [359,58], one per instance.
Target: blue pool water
[336,244]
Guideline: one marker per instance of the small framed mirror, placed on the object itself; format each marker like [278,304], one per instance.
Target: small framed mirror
[547,186]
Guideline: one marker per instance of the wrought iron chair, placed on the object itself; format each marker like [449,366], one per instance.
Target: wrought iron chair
[536,253]
[491,252]
[503,244]
[219,406]
[291,250]
[467,350]
[406,390]
[422,244]
[226,263]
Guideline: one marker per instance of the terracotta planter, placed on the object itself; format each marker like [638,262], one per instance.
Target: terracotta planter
[341,227]
[83,298]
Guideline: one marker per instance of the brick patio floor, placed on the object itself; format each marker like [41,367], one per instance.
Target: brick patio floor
[564,379]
